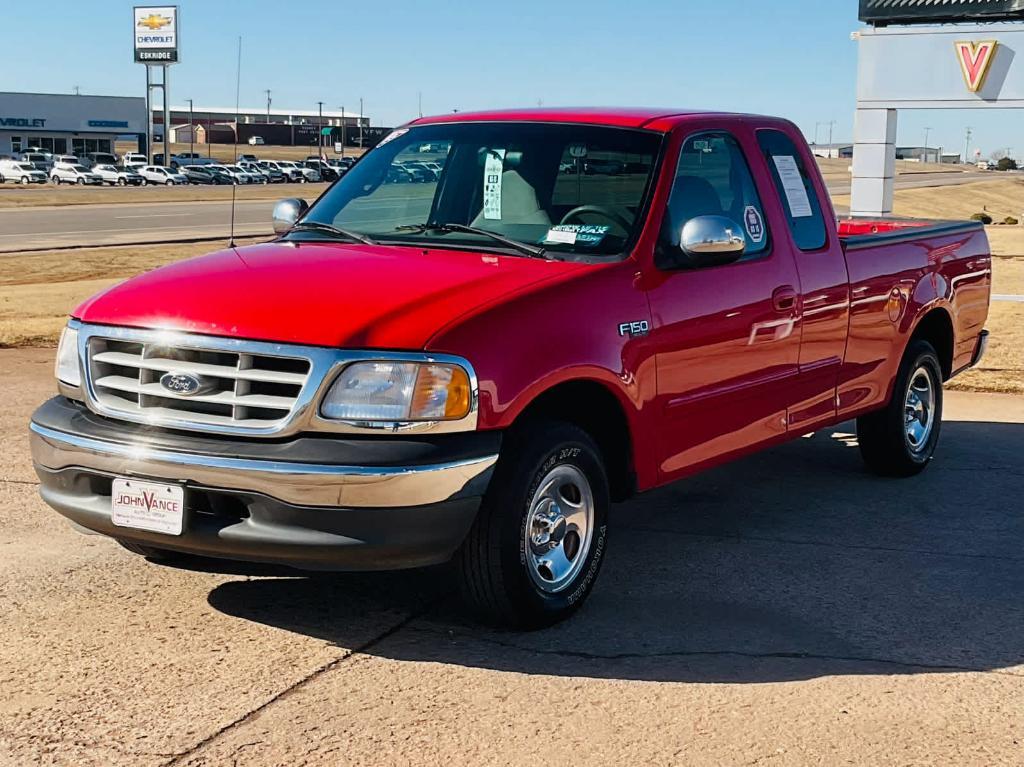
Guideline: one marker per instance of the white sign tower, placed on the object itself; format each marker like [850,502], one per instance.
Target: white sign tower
[927,54]
[155,31]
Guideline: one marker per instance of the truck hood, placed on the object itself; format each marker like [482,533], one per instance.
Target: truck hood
[322,294]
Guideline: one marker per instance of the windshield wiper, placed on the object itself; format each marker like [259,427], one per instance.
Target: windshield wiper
[530,250]
[316,226]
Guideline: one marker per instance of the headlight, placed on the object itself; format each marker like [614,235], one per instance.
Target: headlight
[66,368]
[399,392]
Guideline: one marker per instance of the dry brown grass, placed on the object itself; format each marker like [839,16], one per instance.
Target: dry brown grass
[38,290]
[1002,369]
[999,198]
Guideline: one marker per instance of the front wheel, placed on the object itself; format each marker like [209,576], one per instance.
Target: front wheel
[537,544]
[122,182]
[24,180]
[900,440]
[81,182]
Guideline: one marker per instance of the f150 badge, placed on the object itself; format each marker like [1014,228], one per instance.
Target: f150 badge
[641,328]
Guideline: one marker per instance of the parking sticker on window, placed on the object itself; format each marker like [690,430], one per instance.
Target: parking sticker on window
[793,186]
[575,234]
[493,166]
[754,224]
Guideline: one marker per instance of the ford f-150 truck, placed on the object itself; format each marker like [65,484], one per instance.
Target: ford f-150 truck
[583,305]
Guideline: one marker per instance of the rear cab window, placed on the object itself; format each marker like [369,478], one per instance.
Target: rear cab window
[713,179]
[796,190]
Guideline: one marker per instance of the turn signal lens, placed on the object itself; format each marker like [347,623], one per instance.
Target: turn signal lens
[66,368]
[399,391]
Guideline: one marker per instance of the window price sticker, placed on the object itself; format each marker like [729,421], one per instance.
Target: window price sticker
[493,167]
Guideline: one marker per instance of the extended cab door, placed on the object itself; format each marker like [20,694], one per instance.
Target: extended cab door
[726,338]
[810,235]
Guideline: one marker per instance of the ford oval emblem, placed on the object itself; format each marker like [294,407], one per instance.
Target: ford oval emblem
[183,384]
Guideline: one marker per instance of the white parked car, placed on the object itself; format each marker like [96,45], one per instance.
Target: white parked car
[20,172]
[297,172]
[157,174]
[256,141]
[190,158]
[134,160]
[66,159]
[73,174]
[261,176]
[113,175]
[238,175]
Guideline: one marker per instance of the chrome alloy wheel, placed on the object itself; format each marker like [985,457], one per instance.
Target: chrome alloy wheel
[559,528]
[919,409]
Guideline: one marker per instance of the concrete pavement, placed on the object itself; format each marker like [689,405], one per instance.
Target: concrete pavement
[787,609]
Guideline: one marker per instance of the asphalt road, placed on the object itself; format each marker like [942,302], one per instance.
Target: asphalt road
[50,227]
[790,609]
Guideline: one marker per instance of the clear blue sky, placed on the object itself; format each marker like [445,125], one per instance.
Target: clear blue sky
[788,57]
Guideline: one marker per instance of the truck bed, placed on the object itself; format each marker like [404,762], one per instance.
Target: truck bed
[858,233]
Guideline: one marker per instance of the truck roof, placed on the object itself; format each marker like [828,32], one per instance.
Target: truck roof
[625,117]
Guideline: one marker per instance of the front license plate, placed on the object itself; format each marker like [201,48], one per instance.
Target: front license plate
[148,506]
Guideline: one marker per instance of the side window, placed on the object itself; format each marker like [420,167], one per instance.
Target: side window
[796,189]
[713,179]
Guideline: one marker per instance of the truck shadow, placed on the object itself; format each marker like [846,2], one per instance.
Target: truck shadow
[792,564]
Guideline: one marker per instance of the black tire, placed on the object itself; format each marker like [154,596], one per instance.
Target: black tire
[122,182]
[493,563]
[169,182]
[151,552]
[885,442]
[55,180]
[24,180]
[81,182]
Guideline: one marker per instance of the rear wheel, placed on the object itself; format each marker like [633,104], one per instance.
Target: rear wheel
[537,544]
[900,440]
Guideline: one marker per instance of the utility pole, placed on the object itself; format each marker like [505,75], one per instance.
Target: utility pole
[268,105]
[831,127]
[78,91]
[967,142]
[926,132]
[360,122]
[320,131]
[191,131]
[343,132]
[419,103]
[816,126]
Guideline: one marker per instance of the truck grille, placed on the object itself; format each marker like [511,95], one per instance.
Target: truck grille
[239,389]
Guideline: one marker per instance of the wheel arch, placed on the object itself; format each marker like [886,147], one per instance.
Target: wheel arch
[598,410]
[936,327]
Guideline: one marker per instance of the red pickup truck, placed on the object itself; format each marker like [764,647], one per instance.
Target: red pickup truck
[490,329]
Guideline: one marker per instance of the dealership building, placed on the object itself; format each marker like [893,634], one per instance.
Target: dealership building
[68,124]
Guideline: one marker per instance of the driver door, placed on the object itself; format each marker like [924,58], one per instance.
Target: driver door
[727,337]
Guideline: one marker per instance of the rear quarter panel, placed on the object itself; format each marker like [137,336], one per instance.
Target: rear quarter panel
[893,287]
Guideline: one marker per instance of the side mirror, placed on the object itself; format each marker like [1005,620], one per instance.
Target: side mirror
[287,212]
[711,241]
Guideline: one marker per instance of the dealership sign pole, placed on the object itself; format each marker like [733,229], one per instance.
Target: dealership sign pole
[927,54]
[156,45]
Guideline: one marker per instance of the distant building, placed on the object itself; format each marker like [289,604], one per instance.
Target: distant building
[832,151]
[293,127]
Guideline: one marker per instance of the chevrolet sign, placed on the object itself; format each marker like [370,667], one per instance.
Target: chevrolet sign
[156,34]
[22,122]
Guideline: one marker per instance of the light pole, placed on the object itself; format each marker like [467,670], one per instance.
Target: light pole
[926,132]
[816,126]
[191,131]
[268,105]
[967,142]
[320,131]
[342,131]
[360,122]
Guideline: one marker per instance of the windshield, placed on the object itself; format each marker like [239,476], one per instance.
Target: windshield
[567,188]
[26,167]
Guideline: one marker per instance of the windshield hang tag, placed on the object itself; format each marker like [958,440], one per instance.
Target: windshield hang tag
[494,164]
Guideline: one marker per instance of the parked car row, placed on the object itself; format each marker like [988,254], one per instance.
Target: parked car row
[135,169]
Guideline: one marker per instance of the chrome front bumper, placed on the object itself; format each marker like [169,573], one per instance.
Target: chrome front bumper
[298,484]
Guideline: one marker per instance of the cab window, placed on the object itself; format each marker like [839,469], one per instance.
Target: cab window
[796,189]
[713,179]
